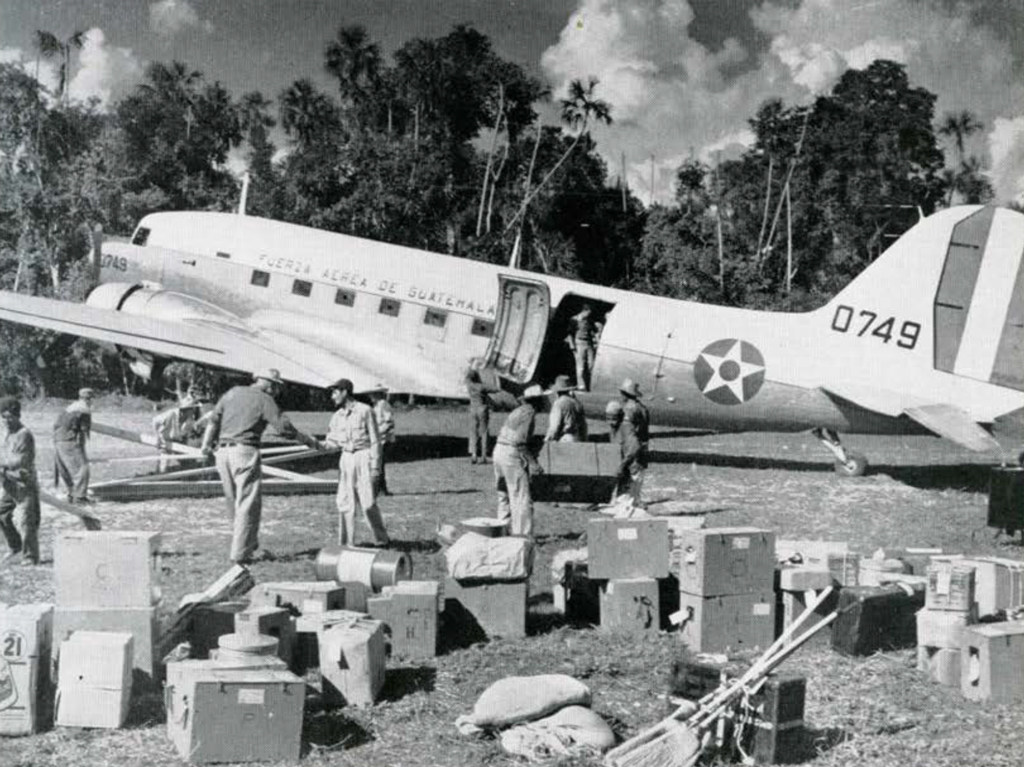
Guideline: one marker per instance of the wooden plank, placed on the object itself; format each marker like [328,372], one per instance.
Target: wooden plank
[138,491]
[90,521]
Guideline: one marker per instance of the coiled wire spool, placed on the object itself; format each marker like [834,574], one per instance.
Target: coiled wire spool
[374,568]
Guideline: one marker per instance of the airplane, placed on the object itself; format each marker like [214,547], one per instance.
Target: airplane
[929,339]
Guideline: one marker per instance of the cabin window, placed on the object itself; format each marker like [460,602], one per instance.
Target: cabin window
[435,318]
[141,235]
[390,307]
[302,288]
[482,328]
[260,279]
[345,297]
[222,254]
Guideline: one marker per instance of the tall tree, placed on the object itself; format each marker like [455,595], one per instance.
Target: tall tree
[50,46]
[355,61]
[306,113]
[959,126]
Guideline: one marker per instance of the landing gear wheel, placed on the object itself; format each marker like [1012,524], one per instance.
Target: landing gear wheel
[854,466]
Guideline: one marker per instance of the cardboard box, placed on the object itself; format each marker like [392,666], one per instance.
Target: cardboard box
[352,662]
[26,633]
[723,561]
[140,622]
[873,618]
[803,577]
[235,715]
[94,679]
[630,604]
[942,628]
[276,622]
[576,472]
[721,623]
[950,587]
[300,597]
[107,569]
[941,664]
[627,548]
[991,659]
[998,583]
[210,623]
[409,610]
[478,610]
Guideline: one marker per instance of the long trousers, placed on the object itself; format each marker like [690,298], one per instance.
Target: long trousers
[479,428]
[512,481]
[584,365]
[19,517]
[240,470]
[72,467]
[355,492]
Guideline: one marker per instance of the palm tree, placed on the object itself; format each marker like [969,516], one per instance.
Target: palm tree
[959,126]
[254,115]
[305,112]
[355,61]
[177,85]
[578,111]
[49,46]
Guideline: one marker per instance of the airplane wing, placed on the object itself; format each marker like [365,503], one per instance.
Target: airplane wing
[219,344]
[946,420]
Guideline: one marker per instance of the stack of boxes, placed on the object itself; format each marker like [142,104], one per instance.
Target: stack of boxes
[628,557]
[991,659]
[949,608]
[491,601]
[109,581]
[94,687]
[352,655]
[726,588]
[26,633]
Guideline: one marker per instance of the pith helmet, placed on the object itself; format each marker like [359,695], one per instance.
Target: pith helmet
[533,391]
[629,388]
[271,374]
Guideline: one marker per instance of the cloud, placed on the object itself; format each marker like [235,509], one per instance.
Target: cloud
[104,72]
[672,96]
[1006,145]
[169,17]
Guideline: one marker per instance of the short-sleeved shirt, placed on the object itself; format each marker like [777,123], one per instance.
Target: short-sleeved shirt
[567,417]
[18,454]
[244,413]
[74,424]
[518,427]
[477,392]
[176,423]
[354,428]
[636,422]
[586,329]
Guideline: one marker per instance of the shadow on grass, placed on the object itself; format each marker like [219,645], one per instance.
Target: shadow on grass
[810,743]
[456,491]
[737,461]
[416,447]
[424,546]
[555,538]
[406,680]
[328,730]
[147,707]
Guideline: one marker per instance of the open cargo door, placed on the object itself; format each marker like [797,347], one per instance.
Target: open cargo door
[523,313]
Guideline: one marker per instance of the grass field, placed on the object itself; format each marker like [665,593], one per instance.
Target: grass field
[874,711]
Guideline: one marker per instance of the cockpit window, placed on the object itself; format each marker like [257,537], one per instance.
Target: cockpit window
[140,236]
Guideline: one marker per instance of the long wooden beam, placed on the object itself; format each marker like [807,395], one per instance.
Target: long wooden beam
[205,488]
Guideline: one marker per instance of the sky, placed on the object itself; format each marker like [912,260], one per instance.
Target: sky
[683,77]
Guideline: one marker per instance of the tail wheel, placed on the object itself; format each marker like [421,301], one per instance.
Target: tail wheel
[854,466]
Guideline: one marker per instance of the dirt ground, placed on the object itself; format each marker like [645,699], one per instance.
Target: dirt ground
[875,711]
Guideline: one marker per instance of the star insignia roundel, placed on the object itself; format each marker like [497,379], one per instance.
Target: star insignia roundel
[729,371]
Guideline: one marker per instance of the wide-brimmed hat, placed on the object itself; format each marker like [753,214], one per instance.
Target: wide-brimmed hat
[562,383]
[379,387]
[533,391]
[270,374]
[629,388]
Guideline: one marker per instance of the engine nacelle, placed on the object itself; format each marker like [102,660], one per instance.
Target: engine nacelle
[145,299]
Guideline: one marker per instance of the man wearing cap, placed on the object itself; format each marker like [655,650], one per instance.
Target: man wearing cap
[634,435]
[513,464]
[385,418]
[567,422]
[235,428]
[582,338]
[70,433]
[354,430]
[19,487]
[179,423]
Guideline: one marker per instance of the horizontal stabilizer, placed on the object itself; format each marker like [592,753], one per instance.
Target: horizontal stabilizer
[216,344]
[954,424]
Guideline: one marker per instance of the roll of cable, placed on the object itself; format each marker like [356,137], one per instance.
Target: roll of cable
[374,568]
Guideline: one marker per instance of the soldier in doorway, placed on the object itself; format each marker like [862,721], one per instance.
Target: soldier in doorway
[582,339]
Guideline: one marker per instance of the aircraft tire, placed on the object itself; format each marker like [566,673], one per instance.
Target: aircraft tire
[854,466]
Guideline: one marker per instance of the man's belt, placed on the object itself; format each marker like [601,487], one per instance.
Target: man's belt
[235,443]
[512,444]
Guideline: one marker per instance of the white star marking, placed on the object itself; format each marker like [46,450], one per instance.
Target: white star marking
[736,384]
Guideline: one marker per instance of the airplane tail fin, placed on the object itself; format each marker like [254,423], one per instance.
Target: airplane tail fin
[953,284]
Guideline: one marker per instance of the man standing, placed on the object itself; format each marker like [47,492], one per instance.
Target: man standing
[634,434]
[354,430]
[385,418]
[236,426]
[581,341]
[479,416]
[513,464]
[70,433]
[19,487]
[567,421]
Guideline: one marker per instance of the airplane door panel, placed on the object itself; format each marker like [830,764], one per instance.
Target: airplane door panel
[523,314]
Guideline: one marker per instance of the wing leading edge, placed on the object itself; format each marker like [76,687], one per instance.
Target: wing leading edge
[206,342]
